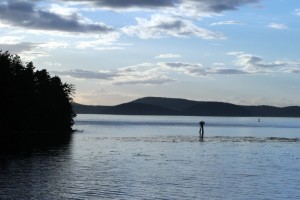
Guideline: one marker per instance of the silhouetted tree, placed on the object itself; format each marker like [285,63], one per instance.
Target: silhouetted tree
[32,100]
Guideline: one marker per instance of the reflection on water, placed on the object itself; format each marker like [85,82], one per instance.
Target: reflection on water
[186,121]
[26,141]
[34,169]
[157,162]
[191,139]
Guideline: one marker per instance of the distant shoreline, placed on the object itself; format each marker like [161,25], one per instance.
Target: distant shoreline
[183,107]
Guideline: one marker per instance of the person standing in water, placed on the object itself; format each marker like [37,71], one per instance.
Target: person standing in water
[201,131]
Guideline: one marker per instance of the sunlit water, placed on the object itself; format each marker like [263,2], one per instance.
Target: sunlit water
[161,157]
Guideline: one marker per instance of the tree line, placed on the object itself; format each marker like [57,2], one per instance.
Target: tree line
[32,100]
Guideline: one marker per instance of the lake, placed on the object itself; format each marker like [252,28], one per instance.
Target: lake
[160,157]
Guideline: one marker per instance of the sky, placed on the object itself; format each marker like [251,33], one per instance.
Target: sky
[244,52]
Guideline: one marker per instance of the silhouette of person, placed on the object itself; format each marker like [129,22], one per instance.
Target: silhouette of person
[201,131]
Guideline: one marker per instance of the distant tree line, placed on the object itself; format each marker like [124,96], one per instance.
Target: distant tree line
[32,100]
[184,107]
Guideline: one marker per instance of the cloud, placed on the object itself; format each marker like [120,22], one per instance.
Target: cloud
[185,7]
[28,51]
[295,70]
[297,12]
[162,26]
[244,64]
[10,39]
[256,64]
[159,73]
[102,42]
[85,74]
[17,48]
[143,74]
[158,80]
[54,45]
[140,74]
[197,70]
[24,14]
[204,8]
[102,96]
[168,55]
[218,6]
[116,4]
[63,10]
[225,23]
[277,26]
[226,71]
[218,64]
[186,68]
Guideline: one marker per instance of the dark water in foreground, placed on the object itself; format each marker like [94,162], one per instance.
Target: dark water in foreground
[143,157]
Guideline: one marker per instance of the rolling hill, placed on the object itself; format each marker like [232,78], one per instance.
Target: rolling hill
[184,107]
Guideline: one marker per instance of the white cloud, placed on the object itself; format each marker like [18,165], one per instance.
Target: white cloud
[185,68]
[86,74]
[162,26]
[142,74]
[28,56]
[225,23]
[145,74]
[102,42]
[277,26]
[54,45]
[28,50]
[219,70]
[256,64]
[102,96]
[162,72]
[297,12]
[218,64]
[10,39]
[235,53]
[18,48]
[51,64]
[244,64]
[197,70]
[63,10]
[167,55]
[152,80]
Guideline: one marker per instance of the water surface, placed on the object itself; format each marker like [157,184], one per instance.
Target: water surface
[151,157]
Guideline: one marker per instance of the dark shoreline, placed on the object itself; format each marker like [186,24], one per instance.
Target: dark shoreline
[183,107]
[25,140]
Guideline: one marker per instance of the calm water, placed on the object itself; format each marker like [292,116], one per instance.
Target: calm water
[150,157]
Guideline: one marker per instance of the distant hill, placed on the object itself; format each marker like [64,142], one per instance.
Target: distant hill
[138,109]
[270,111]
[170,103]
[184,107]
[88,109]
[217,109]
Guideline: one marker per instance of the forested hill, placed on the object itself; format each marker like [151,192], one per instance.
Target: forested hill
[184,107]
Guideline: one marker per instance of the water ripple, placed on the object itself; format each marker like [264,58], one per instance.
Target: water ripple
[176,139]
